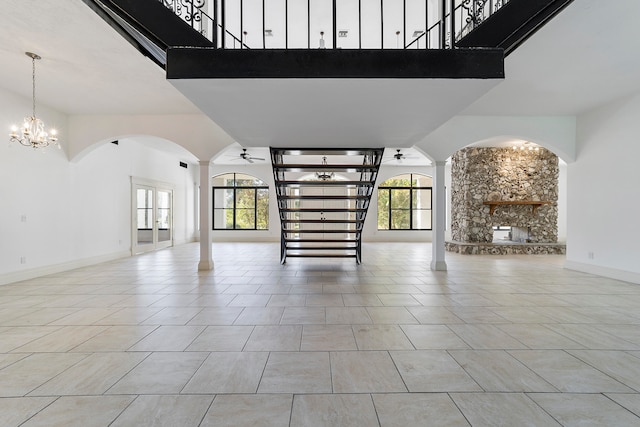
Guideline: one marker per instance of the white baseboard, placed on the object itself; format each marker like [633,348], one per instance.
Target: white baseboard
[184,241]
[612,273]
[32,273]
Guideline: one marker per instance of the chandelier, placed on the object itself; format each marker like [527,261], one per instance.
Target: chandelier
[32,133]
[324,175]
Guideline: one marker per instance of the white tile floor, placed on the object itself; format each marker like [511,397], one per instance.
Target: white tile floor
[148,340]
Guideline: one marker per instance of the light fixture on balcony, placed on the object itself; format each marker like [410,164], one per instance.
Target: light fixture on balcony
[416,35]
[321,39]
[527,146]
[32,133]
[324,175]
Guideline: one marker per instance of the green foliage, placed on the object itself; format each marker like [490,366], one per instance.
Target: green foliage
[263,209]
[383,209]
[395,202]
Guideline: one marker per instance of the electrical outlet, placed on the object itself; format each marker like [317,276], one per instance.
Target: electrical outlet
[23,260]
[23,218]
[591,255]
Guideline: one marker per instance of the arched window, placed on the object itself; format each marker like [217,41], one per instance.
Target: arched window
[404,203]
[240,202]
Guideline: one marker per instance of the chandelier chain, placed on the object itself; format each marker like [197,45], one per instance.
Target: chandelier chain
[33,83]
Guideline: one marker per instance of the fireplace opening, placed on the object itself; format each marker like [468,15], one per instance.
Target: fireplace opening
[511,234]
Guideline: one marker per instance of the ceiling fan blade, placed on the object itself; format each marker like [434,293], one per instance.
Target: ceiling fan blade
[257,158]
[248,159]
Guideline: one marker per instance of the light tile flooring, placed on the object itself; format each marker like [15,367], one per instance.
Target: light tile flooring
[148,340]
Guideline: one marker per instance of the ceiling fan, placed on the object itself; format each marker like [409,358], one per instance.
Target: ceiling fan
[399,157]
[248,157]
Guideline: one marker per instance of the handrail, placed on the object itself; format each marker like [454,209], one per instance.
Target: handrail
[476,12]
[191,12]
[210,18]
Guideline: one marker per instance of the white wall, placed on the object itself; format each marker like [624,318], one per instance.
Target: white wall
[556,133]
[58,215]
[562,202]
[604,192]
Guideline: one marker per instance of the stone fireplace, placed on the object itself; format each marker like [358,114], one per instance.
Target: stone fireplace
[504,187]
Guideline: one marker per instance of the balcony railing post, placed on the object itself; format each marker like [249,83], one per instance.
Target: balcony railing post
[404,22]
[335,25]
[242,38]
[426,24]
[224,27]
[359,24]
[443,27]
[381,24]
[308,24]
[214,36]
[453,24]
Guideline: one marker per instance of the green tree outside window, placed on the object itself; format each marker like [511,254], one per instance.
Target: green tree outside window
[404,203]
[240,202]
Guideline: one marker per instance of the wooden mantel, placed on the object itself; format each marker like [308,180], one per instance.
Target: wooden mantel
[535,204]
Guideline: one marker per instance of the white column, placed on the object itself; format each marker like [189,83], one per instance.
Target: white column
[439,214]
[206,220]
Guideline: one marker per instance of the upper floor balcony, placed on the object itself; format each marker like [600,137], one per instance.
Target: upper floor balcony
[334,24]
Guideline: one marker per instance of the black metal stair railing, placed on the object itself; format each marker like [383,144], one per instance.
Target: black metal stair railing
[517,21]
[373,24]
[193,13]
[467,15]
[228,24]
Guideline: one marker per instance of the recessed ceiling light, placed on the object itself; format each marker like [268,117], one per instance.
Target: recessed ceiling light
[343,33]
[417,33]
[268,33]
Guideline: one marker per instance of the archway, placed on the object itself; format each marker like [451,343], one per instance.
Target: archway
[511,187]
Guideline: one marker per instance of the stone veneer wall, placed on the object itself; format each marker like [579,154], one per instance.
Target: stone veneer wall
[482,174]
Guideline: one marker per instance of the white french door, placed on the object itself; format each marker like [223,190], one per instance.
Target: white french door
[152,216]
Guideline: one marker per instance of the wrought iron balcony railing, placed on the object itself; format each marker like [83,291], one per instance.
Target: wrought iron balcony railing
[336,24]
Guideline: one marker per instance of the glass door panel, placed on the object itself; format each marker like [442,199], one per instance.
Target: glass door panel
[144,216]
[152,218]
[163,216]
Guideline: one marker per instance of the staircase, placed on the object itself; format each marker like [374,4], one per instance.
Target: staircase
[516,21]
[323,196]
[151,26]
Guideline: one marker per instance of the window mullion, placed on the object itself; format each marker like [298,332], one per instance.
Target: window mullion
[390,210]
[235,211]
[411,206]
[255,208]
